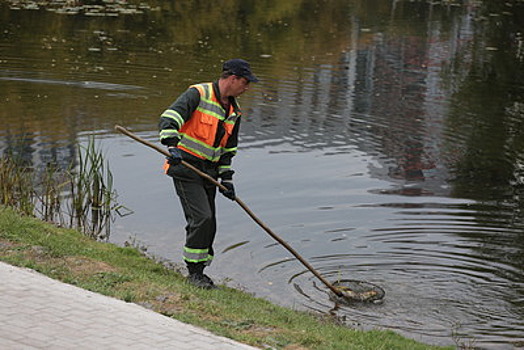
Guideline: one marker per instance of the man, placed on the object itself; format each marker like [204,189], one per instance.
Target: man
[201,127]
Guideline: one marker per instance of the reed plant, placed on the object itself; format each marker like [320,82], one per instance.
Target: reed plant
[81,196]
[16,185]
[92,197]
[48,193]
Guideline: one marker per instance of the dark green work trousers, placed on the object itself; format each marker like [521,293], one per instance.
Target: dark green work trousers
[197,196]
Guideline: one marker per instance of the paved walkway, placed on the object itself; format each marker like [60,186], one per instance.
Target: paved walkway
[37,312]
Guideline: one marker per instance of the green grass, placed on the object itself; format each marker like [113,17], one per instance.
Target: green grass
[125,273]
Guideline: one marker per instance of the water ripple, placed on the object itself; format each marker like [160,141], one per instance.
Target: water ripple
[434,267]
[15,76]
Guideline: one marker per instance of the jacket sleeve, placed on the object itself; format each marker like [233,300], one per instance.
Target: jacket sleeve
[225,170]
[173,118]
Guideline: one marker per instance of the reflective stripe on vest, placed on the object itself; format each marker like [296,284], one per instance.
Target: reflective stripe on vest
[198,133]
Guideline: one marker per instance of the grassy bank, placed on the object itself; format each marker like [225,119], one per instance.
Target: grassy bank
[124,273]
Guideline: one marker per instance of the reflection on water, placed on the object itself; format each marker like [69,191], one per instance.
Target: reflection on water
[384,143]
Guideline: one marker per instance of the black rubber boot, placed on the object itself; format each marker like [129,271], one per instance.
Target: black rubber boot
[197,278]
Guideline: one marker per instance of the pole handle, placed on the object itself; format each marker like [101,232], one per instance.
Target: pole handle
[167,154]
[242,205]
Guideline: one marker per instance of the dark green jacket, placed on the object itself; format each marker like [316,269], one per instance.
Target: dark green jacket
[184,106]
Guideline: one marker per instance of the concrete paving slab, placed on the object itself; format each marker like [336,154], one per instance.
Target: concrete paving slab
[37,312]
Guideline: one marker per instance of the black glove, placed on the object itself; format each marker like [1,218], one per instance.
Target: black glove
[176,156]
[230,189]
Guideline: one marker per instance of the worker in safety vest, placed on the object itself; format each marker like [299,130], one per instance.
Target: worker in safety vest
[201,127]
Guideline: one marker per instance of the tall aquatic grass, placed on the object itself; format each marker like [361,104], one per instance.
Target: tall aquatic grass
[81,196]
[92,197]
[16,187]
[48,194]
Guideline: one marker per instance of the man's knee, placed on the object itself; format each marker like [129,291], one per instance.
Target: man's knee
[205,221]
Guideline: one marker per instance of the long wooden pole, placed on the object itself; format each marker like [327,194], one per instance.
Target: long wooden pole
[242,204]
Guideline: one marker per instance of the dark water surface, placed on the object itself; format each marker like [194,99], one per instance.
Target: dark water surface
[385,142]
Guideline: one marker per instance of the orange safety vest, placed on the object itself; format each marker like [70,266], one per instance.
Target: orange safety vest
[197,135]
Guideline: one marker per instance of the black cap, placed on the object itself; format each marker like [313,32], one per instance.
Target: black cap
[240,67]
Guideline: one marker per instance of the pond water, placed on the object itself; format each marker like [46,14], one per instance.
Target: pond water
[385,143]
